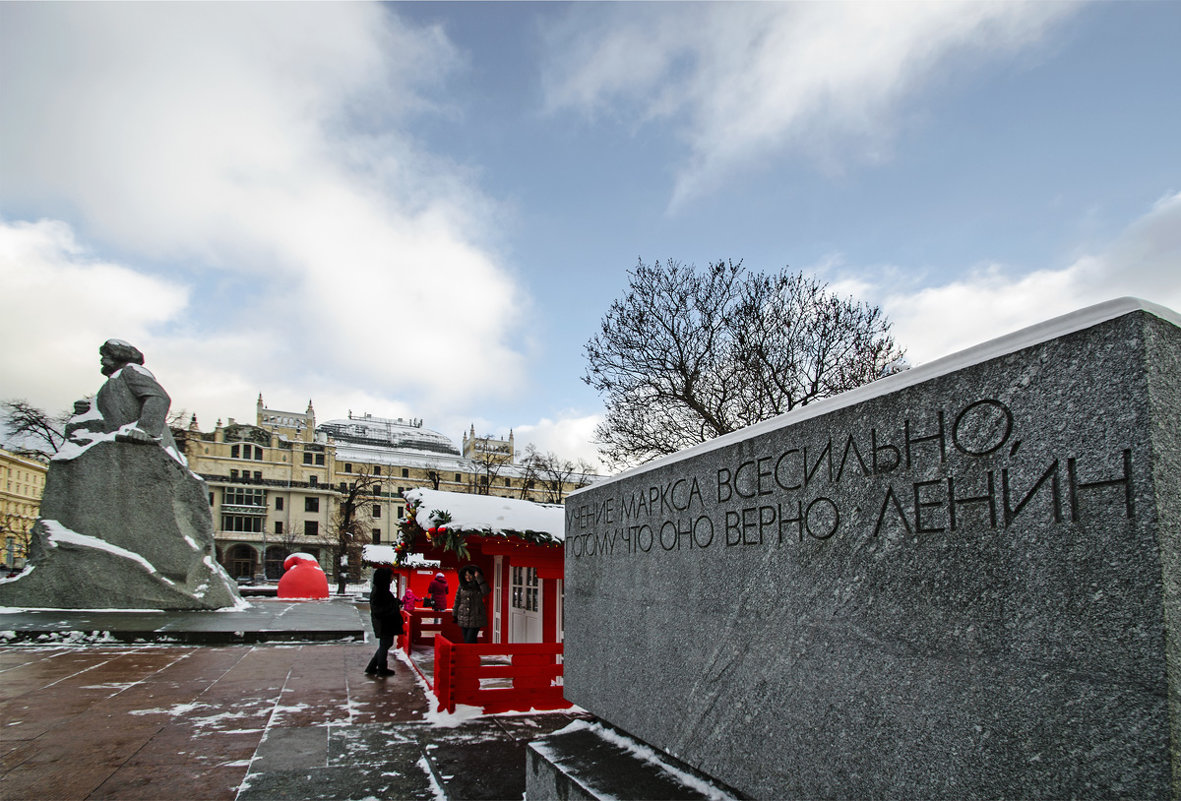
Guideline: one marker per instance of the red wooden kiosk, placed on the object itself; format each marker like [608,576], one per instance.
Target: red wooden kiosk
[517,662]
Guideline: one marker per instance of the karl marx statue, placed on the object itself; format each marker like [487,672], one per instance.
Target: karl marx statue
[131,403]
[122,526]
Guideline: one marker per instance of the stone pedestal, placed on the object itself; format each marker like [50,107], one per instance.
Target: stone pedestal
[963,581]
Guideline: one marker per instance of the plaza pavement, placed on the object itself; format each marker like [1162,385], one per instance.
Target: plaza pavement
[84,717]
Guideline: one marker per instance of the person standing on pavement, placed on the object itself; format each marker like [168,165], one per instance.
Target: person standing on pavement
[470,613]
[386,613]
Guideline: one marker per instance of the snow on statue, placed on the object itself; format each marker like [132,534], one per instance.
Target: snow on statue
[122,526]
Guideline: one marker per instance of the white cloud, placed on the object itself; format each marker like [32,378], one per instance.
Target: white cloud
[752,81]
[568,438]
[1144,261]
[61,303]
[264,148]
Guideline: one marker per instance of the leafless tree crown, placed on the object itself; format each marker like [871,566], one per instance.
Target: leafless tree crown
[687,355]
[39,429]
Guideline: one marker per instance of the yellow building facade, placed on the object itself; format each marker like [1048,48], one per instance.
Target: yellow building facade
[282,484]
[22,483]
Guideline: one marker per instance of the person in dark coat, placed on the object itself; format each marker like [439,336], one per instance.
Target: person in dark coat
[386,613]
[438,590]
[470,613]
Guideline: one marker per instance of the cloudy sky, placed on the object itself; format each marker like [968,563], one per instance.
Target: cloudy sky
[424,209]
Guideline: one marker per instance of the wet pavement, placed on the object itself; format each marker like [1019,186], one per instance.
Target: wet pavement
[82,718]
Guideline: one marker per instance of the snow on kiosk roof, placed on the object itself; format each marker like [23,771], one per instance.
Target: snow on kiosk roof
[489,515]
[442,525]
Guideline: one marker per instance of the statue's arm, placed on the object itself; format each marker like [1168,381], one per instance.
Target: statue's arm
[153,399]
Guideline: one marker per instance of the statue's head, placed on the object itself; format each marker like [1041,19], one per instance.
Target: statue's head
[115,353]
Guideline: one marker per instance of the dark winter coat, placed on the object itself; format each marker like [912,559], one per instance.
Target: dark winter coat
[384,609]
[438,590]
[470,612]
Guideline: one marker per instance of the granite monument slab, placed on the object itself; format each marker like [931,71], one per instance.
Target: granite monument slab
[962,581]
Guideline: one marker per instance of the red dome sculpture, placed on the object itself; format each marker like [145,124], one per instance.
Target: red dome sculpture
[303,578]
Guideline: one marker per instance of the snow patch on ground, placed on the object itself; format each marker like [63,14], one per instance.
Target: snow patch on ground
[173,711]
[67,638]
[436,788]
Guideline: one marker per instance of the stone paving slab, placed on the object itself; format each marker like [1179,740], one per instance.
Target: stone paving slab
[241,722]
[263,620]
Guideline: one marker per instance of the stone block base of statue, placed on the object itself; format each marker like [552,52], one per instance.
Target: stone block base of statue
[123,526]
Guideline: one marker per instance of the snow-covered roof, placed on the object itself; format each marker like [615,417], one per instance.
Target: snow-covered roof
[386,555]
[488,514]
[386,455]
[383,432]
[993,348]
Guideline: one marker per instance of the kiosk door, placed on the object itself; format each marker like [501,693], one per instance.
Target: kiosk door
[525,606]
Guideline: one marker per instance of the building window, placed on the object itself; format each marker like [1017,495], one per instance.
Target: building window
[508,482]
[234,452]
[258,475]
[211,499]
[377,510]
[375,534]
[233,475]
[243,496]
[458,478]
[278,526]
[313,481]
[525,589]
[311,528]
[278,504]
[311,504]
[401,510]
[241,523]
[307,458]
[405,473]
[377,470]
[348,468]
[319,459]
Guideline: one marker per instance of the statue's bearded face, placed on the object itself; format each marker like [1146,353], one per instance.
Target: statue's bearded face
[109,363]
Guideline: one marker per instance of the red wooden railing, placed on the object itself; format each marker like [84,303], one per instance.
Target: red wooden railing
[534,673]
[421,625]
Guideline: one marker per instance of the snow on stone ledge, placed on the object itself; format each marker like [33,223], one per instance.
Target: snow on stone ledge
[488,514]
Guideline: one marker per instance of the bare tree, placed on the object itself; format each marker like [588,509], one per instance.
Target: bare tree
[486,469]
[34,427]
[552,474]
[687,355]
[530,477]
[20,531]
[351,521]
